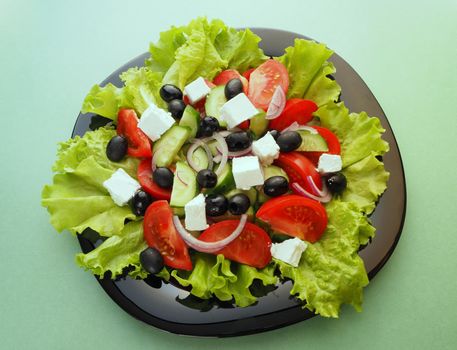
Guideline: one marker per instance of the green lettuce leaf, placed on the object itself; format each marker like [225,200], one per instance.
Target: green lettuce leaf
[214,276]
[106,101]
[307,65]
[142,86]
[359,134]
[116,253]
[330,272]
[72,152]
[366,181]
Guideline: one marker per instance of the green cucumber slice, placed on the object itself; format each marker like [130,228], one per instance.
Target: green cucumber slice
[200,158]
[190,119]
[185,186]
[251,193]
[225,181]
[259,124]
[312,142]
[214,102]
[169,144]
[273,170]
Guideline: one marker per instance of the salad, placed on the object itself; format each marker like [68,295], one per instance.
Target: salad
[223,167]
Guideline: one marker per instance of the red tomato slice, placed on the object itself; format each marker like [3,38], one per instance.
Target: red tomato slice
[298,167]
[244,125]
[295,216]
[264,80]
[127,126]
[160,233]
[296,110]
[333,144]
[247,74]
[251,247]
[144,174]
[229,74]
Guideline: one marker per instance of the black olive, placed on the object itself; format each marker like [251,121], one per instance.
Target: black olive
[140,202]
[170,92]
[238,141]
[233,88]
[163,177]
[275,186]
[206,178]
[239,204]
[216,204]
[208,126]
[117,148]
[275,133]
[176,108]
[289,141]
[336,183]
[151,260]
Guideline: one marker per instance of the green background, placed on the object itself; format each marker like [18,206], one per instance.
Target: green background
[51,52]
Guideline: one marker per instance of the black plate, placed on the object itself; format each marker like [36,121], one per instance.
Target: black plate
[170,308]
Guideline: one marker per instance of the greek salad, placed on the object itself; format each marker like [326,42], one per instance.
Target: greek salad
[223,167]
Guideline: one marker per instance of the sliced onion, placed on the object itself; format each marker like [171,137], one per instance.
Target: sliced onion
[237,153]
[295,126]
[195,144]
[217,159]
[225,133]
[224,148]
[154,159]
[181,179]
[208,247]
[322,193]
[324,199]
[277,104]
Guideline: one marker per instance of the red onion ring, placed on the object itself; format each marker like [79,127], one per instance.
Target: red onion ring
[237,153]
[295,126]
[189,157]
[181,179]
[300,190]
[208,247]
[224,152]
[277,104]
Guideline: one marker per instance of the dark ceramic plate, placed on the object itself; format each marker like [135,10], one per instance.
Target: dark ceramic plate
[171,308]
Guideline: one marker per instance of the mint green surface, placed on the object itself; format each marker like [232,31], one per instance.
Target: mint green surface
[52,52]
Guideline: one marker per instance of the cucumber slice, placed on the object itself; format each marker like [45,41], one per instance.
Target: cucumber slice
[169,144]
[312,142]
[182,192]
[179,211]
[213,147]
[273,170]
[190,119]
[225,181]
[214,102]
[251,193]
[200,158]
[258,124]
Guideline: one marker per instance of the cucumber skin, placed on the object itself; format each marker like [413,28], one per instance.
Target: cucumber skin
[191,120]
[182,194]
[174,144]
[312,142]
[214,101]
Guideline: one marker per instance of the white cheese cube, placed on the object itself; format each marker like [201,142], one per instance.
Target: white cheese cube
[329,163]
[237,110]
[266,149]
[247,172]
[289,251]
[155,121]
[197,90]
[195,211]
[121,186]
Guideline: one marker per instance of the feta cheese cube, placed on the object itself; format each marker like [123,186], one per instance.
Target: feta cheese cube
[237,110]
[197,90]
[266,149]
[195,211]
[289,251]
[155,121]
[121,186]
[247,172]
[329,163]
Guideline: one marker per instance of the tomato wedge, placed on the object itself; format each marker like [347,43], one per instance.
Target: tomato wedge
[251,247]
[333,144]
[144,174]
[298,167]
[264,80]
[296,110]
[160,233]
[127,126]
[248,73]
[229,74]
[295,216]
